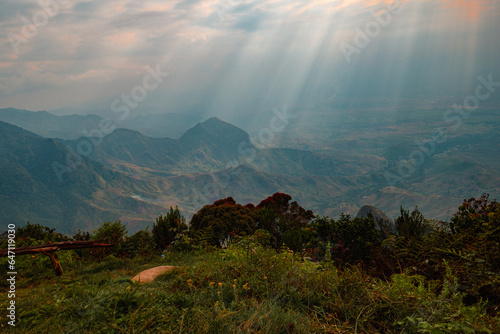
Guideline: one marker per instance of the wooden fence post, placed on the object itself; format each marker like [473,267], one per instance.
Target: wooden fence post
[55,262]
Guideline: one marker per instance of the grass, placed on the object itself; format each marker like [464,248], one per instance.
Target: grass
[236,290]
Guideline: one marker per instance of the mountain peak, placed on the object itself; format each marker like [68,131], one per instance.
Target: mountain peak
[215,129]
[216,124]
[212,119]
[216,138]
[376,213]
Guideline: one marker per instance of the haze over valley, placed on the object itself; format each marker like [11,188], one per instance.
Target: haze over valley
[118,110]
[126,175]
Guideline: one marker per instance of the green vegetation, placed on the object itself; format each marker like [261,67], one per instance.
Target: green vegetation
[328,276]
[333,165]
[217,223]
[166,228]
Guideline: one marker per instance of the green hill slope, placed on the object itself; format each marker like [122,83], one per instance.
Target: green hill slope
[87,195]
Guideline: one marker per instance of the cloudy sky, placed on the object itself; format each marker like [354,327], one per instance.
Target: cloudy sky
[230,56]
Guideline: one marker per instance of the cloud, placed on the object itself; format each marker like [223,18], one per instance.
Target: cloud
[257,53]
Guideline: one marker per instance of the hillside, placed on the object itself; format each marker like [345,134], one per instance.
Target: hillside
[89,194]
[210,146]
[48,125]
[215,158]
[74,126]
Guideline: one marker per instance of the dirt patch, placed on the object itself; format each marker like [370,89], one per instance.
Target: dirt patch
[149,275]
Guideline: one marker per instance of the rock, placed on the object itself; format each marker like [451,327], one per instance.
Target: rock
[149,275]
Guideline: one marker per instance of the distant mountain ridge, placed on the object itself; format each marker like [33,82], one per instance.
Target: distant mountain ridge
[70,127]
[50,126]
[90,194]
[208,147]
[133,177]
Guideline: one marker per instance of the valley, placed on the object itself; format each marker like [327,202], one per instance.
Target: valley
[347,163]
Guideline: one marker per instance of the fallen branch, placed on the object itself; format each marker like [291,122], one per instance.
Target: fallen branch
[53,247]
[50,250]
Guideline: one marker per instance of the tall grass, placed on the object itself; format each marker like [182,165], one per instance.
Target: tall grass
[237,290]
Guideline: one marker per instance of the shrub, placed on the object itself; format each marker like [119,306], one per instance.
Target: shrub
[285,221]
[167,227]
[220,222]
[477,216]
[111,233]
[183,243]
[411,225]
[141,243]
[352,240]
[36,232]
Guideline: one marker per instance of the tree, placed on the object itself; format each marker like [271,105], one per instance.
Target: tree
[296,215]
[352,239]
[411,225]
[222,221]
[31,232]
[110,233]
[477,216]
[141,243]
[285,220]
[167,227]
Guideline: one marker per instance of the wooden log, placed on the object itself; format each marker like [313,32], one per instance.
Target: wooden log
[53,247]
[55,262]
[50,250]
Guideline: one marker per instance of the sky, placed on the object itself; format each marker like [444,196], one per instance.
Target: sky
[236,57]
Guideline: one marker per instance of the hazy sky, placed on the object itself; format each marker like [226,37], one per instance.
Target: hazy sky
[234,56]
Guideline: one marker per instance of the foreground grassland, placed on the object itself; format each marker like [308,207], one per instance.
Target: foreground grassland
[242,289]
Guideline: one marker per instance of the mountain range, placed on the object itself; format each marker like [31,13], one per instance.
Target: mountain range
[74,126]
[133,177]
[31,191]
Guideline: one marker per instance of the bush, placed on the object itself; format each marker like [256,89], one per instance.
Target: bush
[167,227]
[351,240]
[220,222]
[140,244]
[477,216]
[411,225]
[111,233]
[35,232]
[286,221]
[183,243]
